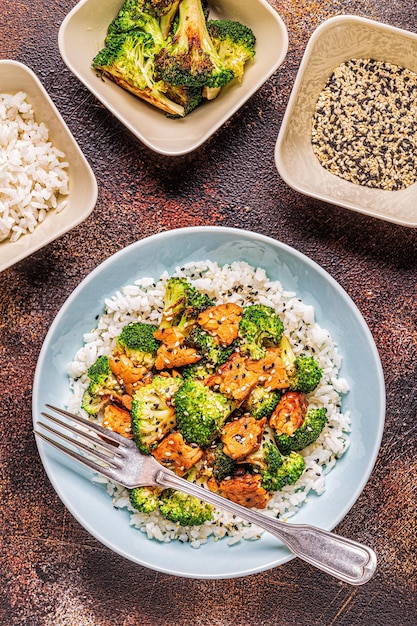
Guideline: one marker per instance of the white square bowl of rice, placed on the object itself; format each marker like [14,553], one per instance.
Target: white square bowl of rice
[47,186]
[349,133]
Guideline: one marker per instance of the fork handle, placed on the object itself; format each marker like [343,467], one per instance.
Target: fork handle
[343,558]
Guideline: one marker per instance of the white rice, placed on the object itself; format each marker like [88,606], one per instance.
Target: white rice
[33,173]
[240,283]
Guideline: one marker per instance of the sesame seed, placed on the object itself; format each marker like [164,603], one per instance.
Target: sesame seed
[364,126]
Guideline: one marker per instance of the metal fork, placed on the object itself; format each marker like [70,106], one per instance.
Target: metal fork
[119,459]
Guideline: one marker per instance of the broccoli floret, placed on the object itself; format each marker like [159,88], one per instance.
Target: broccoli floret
[145,499]
[93,404]
[276,470]
[182,304]
[273,466]
[153,416]
[175,298]
[128,60]
[306,376]
[304,372]
[160,7]
[152,16]
[168,12]
[196,302]
[261,402]
[189,58]
[290,471]
[137,341]
[101,376]
[162,51]
[207,346]
[188,97]
[234,43]
[103,383]
[201,413]
[200,370]
[137,15]
[306,434]
[184,509]
[223,466]
[259,327]
[266,459]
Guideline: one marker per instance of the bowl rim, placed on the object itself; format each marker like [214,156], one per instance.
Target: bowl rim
[280,165]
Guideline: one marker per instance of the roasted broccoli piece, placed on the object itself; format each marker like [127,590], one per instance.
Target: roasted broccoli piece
[261,402]
[153,415]
[152,16]
[266,460]
[128,60]
[223,465]
[304,372]
[137,15]
[276,470]
[184,509]
[145,499]
[162,51]
[216,463]
[182,304]
[201,413]
[188,97]
[168,12]
[234,43]
[137,341]
[305,434]
[175,298]
[160,7]
[103,384]
[189,57]
[206,345]
[196,302]
[259,327]
[197,371]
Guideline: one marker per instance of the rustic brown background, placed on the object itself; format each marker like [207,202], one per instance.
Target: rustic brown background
[52,572]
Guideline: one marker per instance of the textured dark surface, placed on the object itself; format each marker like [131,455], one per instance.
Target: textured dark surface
[52,571]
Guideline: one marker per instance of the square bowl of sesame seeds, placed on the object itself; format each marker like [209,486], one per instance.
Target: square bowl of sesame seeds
[349,133]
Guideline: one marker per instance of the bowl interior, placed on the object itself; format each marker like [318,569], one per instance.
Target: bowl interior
[90,503]
[335,41]
[15,77]
[82,35]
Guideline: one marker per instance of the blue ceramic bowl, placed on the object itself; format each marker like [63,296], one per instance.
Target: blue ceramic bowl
[90,504]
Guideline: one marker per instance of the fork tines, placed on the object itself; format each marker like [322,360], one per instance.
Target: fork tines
[93,426]
[89,437]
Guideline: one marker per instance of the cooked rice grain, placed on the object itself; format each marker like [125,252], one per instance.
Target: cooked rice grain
[243,284]
[33,173]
